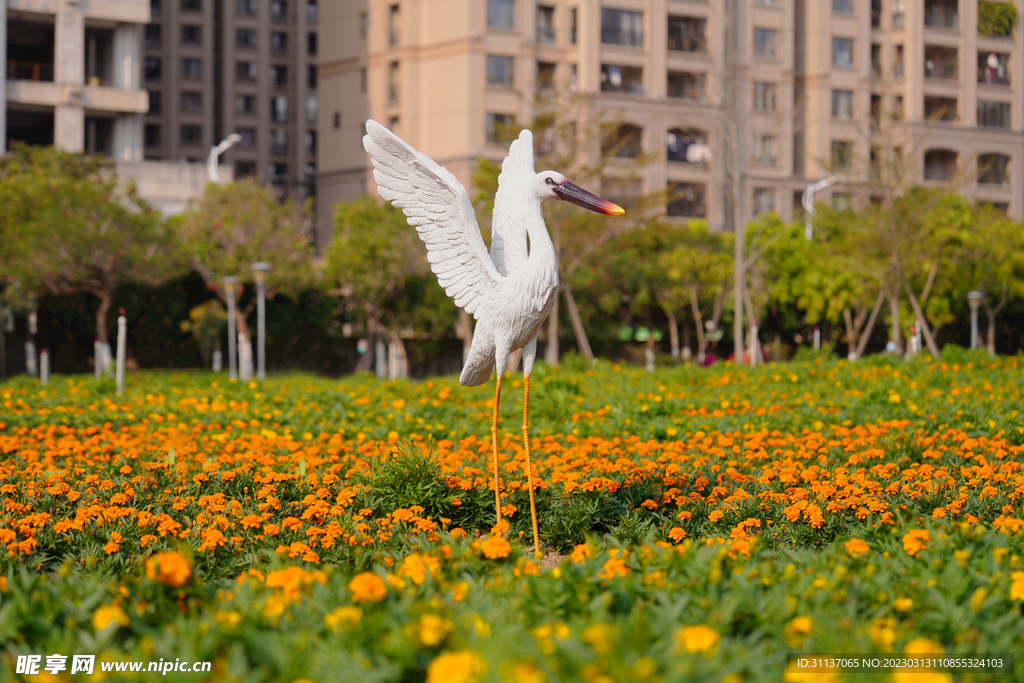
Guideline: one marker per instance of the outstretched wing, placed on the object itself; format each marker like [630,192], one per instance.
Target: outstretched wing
[508,234]
[438,207]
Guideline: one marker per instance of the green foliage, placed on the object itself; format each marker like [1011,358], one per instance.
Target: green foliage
[206,323]
[404,477]
[996,18]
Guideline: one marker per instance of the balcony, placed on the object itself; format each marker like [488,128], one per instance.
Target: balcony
[29,51]
[687,86]
[941,62]
[940,164]
[687,201]
[993,68]
[940,109]
[942,14]
[994,169]
[29,71]
[687,146]
[687,34]
[622,79]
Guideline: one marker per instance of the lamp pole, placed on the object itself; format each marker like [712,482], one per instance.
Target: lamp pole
[215,152]
[230,284]
[974,298]
[808,202]
[259,274]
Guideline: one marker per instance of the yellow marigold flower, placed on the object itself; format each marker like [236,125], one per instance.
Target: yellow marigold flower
[902,604]
[961,558]
[105,615]
[916,540]
[793,676]
[368,587]
[580,553]
[883,633]
[274,607]
[700,638]
[797,630]
[457,667]
[1017,587]
[902,676]
[169,568]
[599,636]
[894,398]
[433,629]
[923,646]
[856,547]
[978,599]
[345,618]
[525,672]
[495,547]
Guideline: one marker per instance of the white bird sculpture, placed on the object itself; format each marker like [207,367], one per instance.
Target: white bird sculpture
[512,290]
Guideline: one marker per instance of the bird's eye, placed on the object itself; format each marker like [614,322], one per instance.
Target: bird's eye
[550,181]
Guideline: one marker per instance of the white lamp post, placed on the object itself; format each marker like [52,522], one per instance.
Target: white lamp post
[230,284]
[974,298]
[808,202]
[259,274]
[215,152]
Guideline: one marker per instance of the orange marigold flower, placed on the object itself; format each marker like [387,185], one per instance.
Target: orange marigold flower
[212,539]
[939,512]
[417,566]
[495,547]
[368,587]
[580,553]
[677,534]
[916,540]
[169,568]
[715,515]
[700,638]
[649,504]
[857,547]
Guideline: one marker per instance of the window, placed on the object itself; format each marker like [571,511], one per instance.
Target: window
[311,75]
[151,135]
[993,68]
[622,27]
[876,110]
[311,141]
[993,169]
[687,34]
[393,23]
[941,62]
[687,146]
[191,5]
[940,164]
[191,35]
[245,8]
[994,114]
[278,141]
[573,17]
[191,102]
[897,108]
[312,107]
[500,70]
[153,68]
[245,169]
[842,6]
[245,71]
[279,109]
[155,8]
[312,12]
[191,135]
[153,40]
[245,104]
[764,96]
[279,41]
[393,81]
[842,154]
[624,79]
[842,51]
[248,136]
[500,128]
[897,67]
[940,108]
[279,173]
[876,60]
[501,13]
[765,40]
[686,201]
[842,104]
[764,200]
[686,85]
[155,102]
[764,149]
[278,76]
[546,25]
[311,44]
[624,143]
[941,13]
[245,38]
[278,11]
[337,122]
[545,77]
[364,23]
[191,68]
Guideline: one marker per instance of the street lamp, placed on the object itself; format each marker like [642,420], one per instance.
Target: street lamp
[230,285]
[808,202]
[974,298]
[215,152]
[259,274]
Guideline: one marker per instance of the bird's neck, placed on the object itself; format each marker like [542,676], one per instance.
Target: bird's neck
[542,250]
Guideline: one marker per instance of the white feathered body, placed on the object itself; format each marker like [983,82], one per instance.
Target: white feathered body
[509,291]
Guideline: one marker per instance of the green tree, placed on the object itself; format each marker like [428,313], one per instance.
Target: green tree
[238,224]
[71,226]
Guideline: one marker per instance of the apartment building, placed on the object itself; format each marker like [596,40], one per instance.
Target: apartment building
[213,68]
[72,75]
[810,89]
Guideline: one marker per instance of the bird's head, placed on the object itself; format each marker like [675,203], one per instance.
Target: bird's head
[553,185]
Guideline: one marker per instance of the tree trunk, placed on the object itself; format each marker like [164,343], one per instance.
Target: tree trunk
[895,332]
[686,343]
[582,343]
[673,333]
[551,352]
[699,325]
[851,334]
[932,347]
[990,337]
[106,300]
[865,336]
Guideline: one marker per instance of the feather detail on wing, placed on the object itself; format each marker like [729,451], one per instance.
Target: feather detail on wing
[437,205]
[508,236]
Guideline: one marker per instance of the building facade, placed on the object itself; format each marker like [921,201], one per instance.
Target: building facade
[72,76]
[217,67]
[807,90]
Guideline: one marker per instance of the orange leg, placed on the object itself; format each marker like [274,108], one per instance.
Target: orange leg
[494,445]
[529,463]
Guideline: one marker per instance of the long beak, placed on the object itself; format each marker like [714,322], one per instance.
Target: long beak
[580,197]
